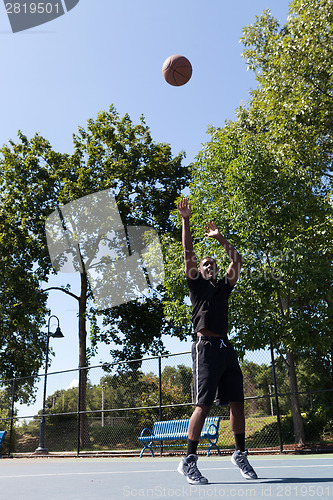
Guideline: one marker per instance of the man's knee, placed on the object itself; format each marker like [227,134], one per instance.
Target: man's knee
[197,421]
[236,406]
[203,410]
[237,411]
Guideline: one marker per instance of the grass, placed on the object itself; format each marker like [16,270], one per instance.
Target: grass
[255,435]
[261,432]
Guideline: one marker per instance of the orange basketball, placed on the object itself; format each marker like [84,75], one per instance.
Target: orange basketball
[177,70]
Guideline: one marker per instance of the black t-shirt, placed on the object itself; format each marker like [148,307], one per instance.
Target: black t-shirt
[210,304]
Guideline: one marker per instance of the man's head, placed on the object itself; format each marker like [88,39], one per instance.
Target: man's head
[208,268]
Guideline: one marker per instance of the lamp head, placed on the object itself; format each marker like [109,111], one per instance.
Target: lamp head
[57,334]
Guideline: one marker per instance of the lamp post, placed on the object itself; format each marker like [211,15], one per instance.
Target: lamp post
[57,334]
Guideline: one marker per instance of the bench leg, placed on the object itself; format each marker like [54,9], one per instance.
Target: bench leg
[213,445]
[146,448]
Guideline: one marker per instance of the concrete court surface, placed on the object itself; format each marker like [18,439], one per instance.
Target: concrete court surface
[280,477]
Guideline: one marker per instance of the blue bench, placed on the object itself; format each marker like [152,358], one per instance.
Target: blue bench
[2,437]
[172,430]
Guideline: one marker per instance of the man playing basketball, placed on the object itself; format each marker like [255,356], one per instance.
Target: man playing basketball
[216,369]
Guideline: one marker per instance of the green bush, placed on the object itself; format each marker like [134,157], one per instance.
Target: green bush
[318,423]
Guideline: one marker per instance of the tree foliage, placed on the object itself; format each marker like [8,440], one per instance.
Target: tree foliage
[294,97]
[110,153]
[265,179]
[27,169]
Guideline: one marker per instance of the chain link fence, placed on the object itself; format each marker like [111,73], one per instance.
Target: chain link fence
[120,399]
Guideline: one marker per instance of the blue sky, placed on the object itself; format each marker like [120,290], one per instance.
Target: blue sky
[57,76]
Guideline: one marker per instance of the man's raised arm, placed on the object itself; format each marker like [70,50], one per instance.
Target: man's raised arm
[236,259]
[191,267]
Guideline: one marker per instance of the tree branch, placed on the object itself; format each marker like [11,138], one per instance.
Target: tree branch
[282,356]
[62,290]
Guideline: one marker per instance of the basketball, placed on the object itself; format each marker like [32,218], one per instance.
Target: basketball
[177,70]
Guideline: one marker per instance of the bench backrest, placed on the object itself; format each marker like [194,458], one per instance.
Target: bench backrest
[171,427]
[180,427]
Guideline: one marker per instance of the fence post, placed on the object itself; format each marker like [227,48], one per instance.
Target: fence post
[78,413]
[11,419]
[276,398]
[160,387]
[160,393]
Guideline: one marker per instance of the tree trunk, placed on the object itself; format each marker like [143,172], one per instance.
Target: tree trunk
[295,407]
[84,430]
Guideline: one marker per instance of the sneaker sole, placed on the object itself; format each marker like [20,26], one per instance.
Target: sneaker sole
[180,470]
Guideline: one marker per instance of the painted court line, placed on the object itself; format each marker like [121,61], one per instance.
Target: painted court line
[272,467]
[59,474]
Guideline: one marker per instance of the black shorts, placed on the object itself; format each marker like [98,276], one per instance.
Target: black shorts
[216,371]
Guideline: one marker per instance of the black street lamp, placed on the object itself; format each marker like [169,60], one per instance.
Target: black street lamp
[57,334]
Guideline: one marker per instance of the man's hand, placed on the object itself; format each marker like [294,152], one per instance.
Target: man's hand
[212,230]
[184,208]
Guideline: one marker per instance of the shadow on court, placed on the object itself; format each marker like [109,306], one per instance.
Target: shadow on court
[284,480]
[299,480]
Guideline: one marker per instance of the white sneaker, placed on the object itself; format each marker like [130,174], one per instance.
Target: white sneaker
[188,467]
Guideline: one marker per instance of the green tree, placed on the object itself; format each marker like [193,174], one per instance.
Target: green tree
[282,294]
[25,185]
[181,377]
[294,98]
[172,394]
[111,153]
[293,104]
[265,179]
[21,337]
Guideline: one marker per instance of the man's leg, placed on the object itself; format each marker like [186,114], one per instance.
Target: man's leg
[205,388]
[237,422]
[188,465]
[197,421]
[239,458]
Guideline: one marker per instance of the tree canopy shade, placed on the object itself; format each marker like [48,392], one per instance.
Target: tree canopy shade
[110,153]
[266,181]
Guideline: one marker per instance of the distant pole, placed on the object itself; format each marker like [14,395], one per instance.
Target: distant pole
[102,406]
[160,387]
[276,398]
[160,393]
[192,392]
[11,420]
[271,398]
[78,412]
